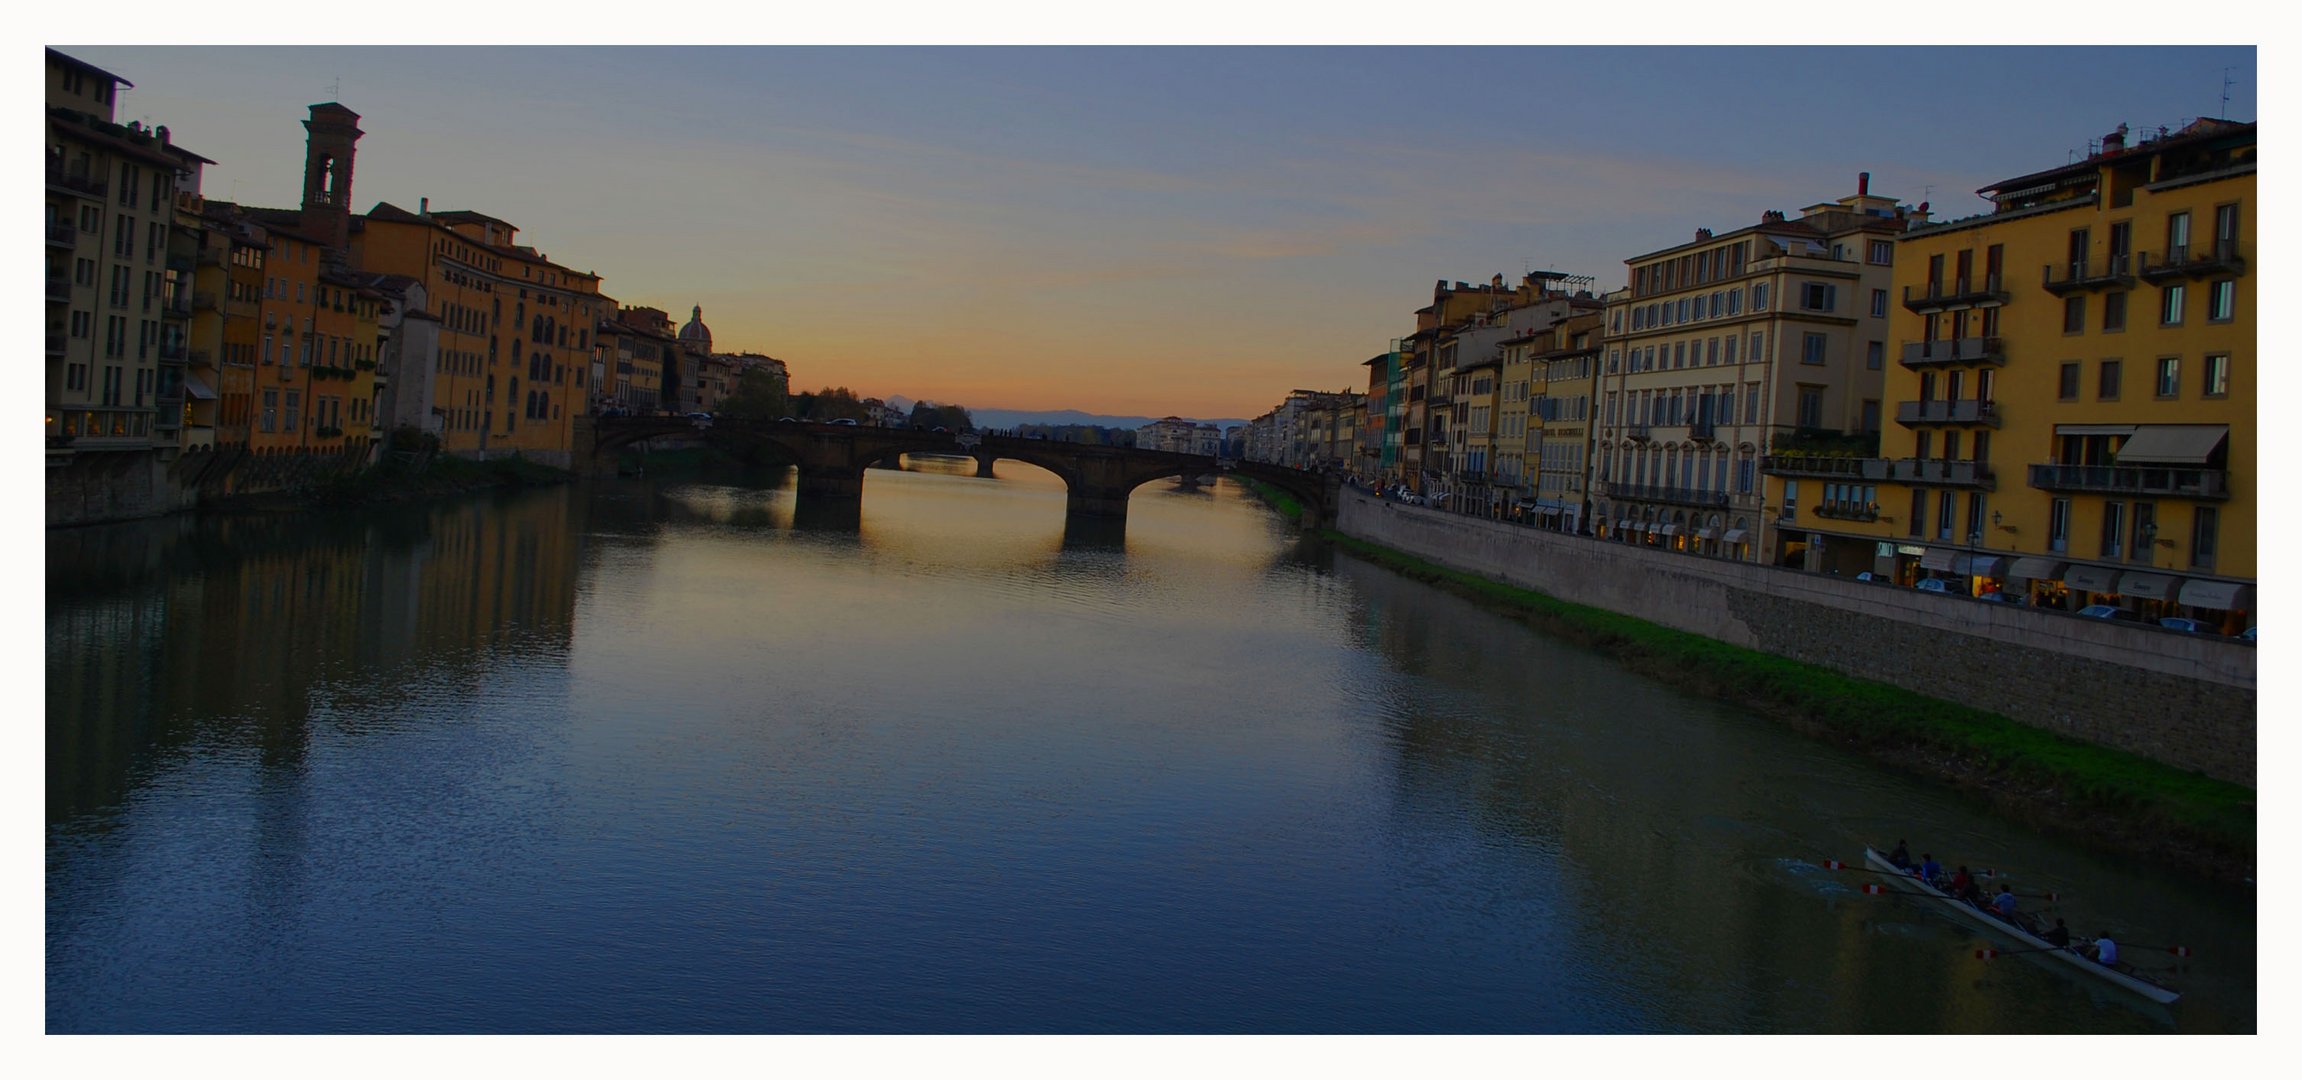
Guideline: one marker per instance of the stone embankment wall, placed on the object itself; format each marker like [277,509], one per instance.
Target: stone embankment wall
[95,487]
[2183,700]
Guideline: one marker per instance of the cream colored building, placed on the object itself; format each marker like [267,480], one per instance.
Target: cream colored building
[1770,336]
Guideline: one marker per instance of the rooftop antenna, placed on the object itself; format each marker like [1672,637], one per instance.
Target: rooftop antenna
[2225,113]
[336,89]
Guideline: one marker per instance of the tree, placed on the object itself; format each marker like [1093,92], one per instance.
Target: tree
[758,395]
[927,417]
[831,403]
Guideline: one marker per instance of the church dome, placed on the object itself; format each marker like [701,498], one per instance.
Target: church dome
[695,331]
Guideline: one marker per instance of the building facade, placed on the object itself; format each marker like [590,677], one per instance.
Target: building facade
[1774,334]
[2073,393]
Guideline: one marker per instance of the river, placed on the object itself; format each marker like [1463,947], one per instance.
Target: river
[673,756]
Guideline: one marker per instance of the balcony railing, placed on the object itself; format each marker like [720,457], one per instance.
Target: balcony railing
[1638,432]
[2193,482]
[1964,292]
[1703,431]
[1968,411]
[204,301]
[63,234]
[1851,468]
[1940,472]
[172,351]
[2220,257]
[179,304]
[2076,276]
[1965,350]
[1846,511]
[55,344]
[1665,493]
[60,177]
[199,358]
[59,288]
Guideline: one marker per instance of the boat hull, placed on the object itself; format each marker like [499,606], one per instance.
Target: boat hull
[2071,958]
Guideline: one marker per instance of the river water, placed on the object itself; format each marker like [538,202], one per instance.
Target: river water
[665,756]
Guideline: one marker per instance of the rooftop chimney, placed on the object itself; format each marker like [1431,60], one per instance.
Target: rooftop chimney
[2115,141]
[1862,186]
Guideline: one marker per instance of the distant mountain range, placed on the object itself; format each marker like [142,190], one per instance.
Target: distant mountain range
[1007,418]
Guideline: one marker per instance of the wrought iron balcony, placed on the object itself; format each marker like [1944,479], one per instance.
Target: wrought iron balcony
[1968,411]
[1665,493]
[62,234]
[59,288]
[2220,257]
[1638,432]
[1964,292]
[172,352]
[2078,276]
[1846,511]
[1937,472]
[1965,350]
[2188,481]
[179,304]
[60,177]
[55,344]
[1829,466]
[1703,431]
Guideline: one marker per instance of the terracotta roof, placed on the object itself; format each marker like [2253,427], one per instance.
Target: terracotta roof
[83,65]
[2203,129]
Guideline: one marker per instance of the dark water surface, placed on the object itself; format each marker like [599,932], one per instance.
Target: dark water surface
[658,757]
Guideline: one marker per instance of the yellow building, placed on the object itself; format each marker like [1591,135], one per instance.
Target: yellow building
[1562,388]
[2074,397]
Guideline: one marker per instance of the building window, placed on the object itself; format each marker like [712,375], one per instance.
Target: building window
[2114,310]
[1974,517]
[270,419]
[2113,530]
[2170,306]
[1878,303]
[2204,523]
[2221,301]
[2145,531]
[1758,296]
[2177,236]
[2074,315]
[2169,376]
[1918,513]
[2217,367]
[1810,406]
[1757,345]
[1734,301]
[1814,349]
[2069,387]
[1819,297]
[2107,388]
[1874,356]
[2058,526]
[1882,253]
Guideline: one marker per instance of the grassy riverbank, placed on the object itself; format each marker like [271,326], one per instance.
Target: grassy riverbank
[2108,798]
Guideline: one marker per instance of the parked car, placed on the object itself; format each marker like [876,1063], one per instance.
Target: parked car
[2246,635]
[2187,626]
[2012,599]
[849,421]
[787,420]
[1875,579]
[1934,585]
[700,416]
[2107,611]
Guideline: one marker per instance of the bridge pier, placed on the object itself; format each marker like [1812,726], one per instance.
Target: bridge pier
[983,466]
[836,482]
[1095,501]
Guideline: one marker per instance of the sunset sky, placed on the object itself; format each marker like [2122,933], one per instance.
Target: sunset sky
[1135,230]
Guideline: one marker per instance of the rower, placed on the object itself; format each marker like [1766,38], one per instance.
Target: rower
[1961,883]
[2059,937]
[1901,856]
[1929,870]
[2003,903]
[2106,950]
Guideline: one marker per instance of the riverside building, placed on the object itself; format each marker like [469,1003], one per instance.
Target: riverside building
[2073,392]
[1772,336]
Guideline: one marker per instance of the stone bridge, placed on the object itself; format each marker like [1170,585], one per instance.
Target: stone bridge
[831,459]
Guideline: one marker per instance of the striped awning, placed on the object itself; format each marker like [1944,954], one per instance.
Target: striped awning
[1706,533]
[2091,578]
[1938,559]
[198,388]
[1670,530]
[1733,536]
[1982,566]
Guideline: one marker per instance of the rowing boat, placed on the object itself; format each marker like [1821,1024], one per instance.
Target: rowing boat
[2070,957]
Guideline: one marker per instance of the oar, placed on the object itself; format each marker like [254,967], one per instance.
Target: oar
[1987,953]
[1834,864]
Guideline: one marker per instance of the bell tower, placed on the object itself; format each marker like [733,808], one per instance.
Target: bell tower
[328,141]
